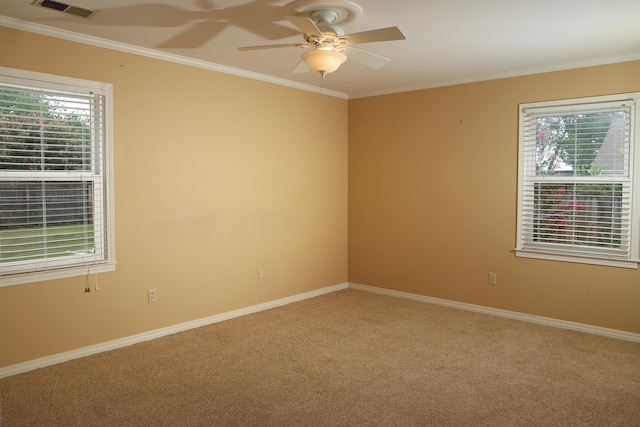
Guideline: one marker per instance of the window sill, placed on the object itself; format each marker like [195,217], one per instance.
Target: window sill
[41,276]
[608,262]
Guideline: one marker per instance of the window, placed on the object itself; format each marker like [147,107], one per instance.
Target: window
[578,181]
[56,216]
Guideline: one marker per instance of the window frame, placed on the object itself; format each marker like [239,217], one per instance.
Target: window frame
[105,261]
[526,164]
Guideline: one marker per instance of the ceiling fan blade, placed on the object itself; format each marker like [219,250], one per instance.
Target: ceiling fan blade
[367,58]
[302,67]
[305,24]
[274,46]
[379,35]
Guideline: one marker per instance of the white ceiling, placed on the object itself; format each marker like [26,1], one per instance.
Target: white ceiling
[448,41]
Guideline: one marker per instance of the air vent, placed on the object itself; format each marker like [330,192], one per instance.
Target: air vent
[66,8]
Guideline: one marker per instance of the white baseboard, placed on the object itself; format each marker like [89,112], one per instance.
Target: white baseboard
[564,324]
[157,333]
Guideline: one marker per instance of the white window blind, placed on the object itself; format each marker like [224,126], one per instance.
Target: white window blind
[576,181]
[54,191]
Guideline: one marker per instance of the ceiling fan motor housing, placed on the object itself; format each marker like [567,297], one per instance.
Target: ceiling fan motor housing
[324,20]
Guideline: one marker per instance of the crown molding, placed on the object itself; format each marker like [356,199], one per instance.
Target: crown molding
[155,54]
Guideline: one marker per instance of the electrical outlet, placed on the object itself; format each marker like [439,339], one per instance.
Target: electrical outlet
[260,272]
[152,295]
[330,262]
[492,278]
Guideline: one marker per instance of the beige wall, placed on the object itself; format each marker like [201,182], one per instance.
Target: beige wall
[432,200]
[215,176]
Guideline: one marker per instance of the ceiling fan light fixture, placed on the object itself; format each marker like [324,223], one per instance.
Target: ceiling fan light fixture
[324,61]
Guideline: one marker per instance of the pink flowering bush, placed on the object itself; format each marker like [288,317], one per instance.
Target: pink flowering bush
[557,213]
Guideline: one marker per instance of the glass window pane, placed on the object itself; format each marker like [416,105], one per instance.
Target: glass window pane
[589,144]
[578,214]
[40,132]
[45,220]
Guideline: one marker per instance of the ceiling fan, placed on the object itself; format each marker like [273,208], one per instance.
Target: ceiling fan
[331,46]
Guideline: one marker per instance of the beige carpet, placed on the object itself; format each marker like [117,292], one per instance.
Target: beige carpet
[348,358]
